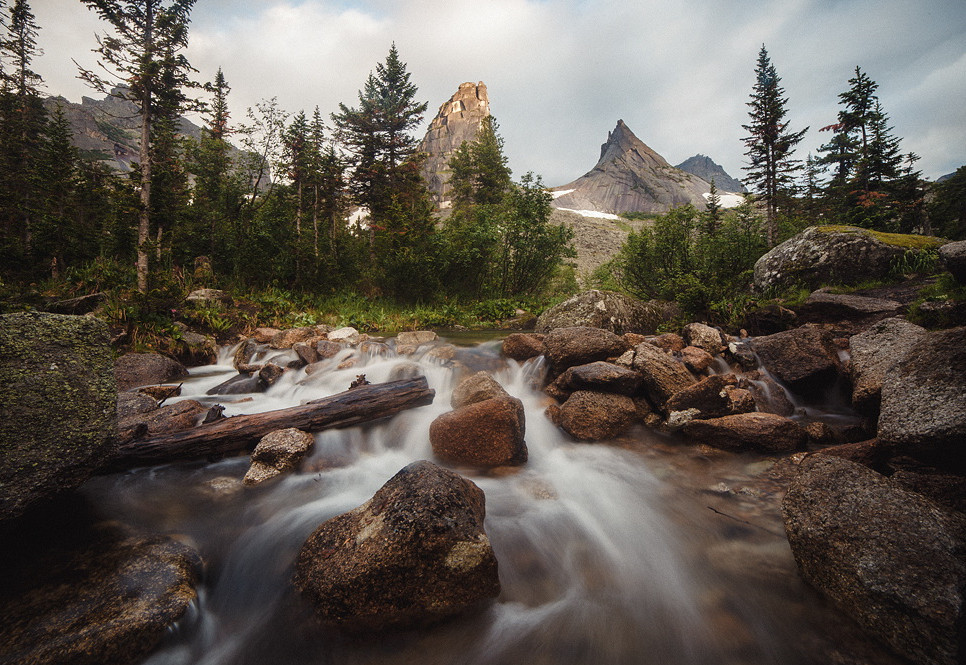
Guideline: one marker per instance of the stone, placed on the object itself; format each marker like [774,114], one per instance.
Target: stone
[476,388]
[923,404]
[133,370]
[346,335]
[768,320]
[244,353]
[870,453]
[763,432]
[712,397]
[662,375]
[209,297]
[695,359]
[286,339]
[603,309]
[523,346]
[873,355]
[953,258]
[327,349]
[239,385]
[704,337]
[265,335]
[596,416]
[804,358]
[488,433]
[58,406]
[414,554]
[822,255]
[889,558]
[132,403]
[769,396]
[77,306]
[276,453]
[170,418]
[416,337]
[821,306]
[196,349]
[566,347]
[602,377]
[306,351]
[669,342]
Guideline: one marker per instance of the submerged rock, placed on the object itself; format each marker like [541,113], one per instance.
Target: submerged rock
[484,433]
[58,407]
[606,310]
[891,559]
[414,554]
[276,453]
[141,369]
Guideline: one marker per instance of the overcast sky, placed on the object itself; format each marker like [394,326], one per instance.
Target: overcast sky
[560,73]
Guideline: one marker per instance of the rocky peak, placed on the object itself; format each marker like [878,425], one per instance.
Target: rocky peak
[458,120]
[622,144]
[705,168]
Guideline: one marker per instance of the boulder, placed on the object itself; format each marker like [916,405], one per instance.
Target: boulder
[476,388]
[141,369]
[346,335]
[601,377]
[209,297]
[668,342]
[110,598]
[769,319]
[764,432]
[835,254]
[662,375]
[171,418]
[822,307]
[244,353]
[196,349]
[484,434]
[133,403]
[603,309]
[889,558]
[769,396]
[77,306]
[416,337]
[276,453]
[594,416]
[695,359]
[873,355]
[704,337]
[413,554]
[58,406]
[306,352]
[286,339]
[239,385]
[566,347]
[265,335]
[523,346]
[953,257]
[713,397]
[923,403]
[327,349]
[805,359]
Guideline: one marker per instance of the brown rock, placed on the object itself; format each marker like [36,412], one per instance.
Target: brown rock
[244,353]
[712,398]
[704,337]
[566,347]
[804,358]
[416,337]
[171,418]
[276,453]
[601,377]
[662,375]
[669,342]
[768,395]
[141,369]
[868,453]
[594,416]
[695,359]
[413,554]
[523,346]
[764,432]
[265,335]
[485,434]
[306,351]
[476,388]
[161,393]
[286,339]
[873,354]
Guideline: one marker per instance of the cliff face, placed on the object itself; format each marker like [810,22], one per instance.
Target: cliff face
[705,168]
[458,120]
[631,177]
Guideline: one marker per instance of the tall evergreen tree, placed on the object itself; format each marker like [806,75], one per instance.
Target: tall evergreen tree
[145,54]
[770,143]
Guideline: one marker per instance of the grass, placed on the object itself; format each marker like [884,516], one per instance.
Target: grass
[904,240]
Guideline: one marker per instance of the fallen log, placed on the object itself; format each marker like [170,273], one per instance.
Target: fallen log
[363,404]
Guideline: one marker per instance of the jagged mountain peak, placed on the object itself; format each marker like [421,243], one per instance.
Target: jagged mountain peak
[706,168]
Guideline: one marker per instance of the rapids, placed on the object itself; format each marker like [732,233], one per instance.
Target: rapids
[641,550]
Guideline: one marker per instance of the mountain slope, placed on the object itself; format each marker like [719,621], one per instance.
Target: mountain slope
[631,177]
[705,168]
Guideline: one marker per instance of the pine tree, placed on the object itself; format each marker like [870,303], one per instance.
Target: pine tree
[770,143]
[712,210]
[479,174]
[144,53]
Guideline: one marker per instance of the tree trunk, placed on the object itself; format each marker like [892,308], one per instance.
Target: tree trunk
[359,405]
[144,155]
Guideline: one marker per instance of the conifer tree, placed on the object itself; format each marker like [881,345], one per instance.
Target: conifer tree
[770,143]
[712,210]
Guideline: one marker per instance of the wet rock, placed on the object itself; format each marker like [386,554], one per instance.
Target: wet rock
[922,395]
[476,388]
[58,407]
[346,335]
[669,342]
[413,554]
[869,453]
[601,377]
[141,369]
[805,358]
[269,375]
[713,397]
[238,385]
[171,418]
[769,396]
[595,416]
[209,297]
[764,432]
[276,453]
[327,349]
[523,346]
[953,257]
[606,310]
[484,434]
[695,359]
[244,353]
[196,349]
[286,339]
[704,337]
[416,337]
[443,352]
[891,559]
[741,354]
[821,434]
[132,403]
[662,375]
[109,598]
[873,354]
[306,351]
[566,347]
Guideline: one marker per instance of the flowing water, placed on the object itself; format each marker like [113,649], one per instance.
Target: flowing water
[640,550]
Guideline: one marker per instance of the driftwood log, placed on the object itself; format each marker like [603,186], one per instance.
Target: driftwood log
[363,404]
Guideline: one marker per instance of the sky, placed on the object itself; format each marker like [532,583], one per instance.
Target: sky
[561,73]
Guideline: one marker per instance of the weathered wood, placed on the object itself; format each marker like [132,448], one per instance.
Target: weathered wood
[352,407]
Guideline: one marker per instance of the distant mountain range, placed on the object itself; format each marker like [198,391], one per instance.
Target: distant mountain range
[705,168]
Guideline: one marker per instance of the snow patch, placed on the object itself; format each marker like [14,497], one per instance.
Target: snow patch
[727,200]
[557,193]
[591,213]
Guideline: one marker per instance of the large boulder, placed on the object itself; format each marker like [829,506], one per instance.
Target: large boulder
[523,346]
[835,254]
[487,433]
[704,337]
[889,558]
[566,347]
[415,553]
[594,416]
[923,403]
[662,375]
[953,257]
[805,358]
[604,309]
[874,353]
[763,432]
[141,369]
[476,388]
[58,406]
[821,306]
[276,453]
[602,377]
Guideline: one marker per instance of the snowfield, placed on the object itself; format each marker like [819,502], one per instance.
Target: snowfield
[729,200]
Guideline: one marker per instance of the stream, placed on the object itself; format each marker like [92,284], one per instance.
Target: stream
[639,550]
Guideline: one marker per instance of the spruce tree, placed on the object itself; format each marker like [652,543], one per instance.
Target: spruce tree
[770,142]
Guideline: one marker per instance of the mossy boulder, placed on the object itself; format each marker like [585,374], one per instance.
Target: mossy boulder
[606,310]
[837,255]
[58,418]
